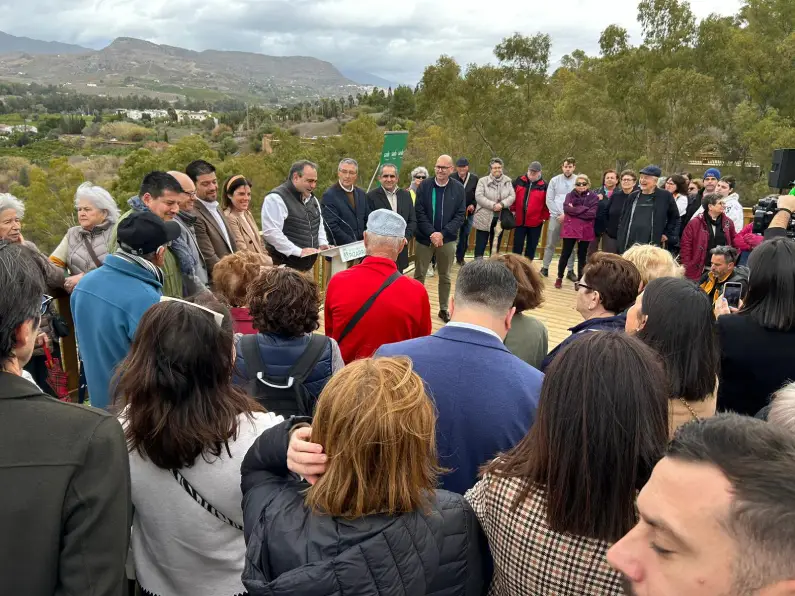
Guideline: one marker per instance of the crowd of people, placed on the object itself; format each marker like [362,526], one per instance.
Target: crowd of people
[231,449]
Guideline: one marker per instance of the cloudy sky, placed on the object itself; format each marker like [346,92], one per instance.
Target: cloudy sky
[394,40]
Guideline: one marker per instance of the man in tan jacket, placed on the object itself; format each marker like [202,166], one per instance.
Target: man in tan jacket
[213,234]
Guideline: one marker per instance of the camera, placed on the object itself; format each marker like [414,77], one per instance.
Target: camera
[764,211]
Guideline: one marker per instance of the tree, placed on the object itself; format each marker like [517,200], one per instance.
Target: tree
[525,59]
[613,41]
[666,24]
[24,176]
[403,102]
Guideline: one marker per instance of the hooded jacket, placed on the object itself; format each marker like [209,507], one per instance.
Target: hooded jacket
[695,240]
[530,206]
[292,550]
[734,210]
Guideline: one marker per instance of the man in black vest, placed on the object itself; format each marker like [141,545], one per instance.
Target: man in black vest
[470,182]
[292,224]
[389,196]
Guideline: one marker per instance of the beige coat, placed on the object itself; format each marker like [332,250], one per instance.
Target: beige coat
[488,193]
[245,231]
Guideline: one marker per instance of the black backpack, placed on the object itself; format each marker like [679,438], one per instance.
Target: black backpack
[282,395]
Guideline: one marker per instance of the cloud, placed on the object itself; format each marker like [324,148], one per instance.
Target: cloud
[395,40]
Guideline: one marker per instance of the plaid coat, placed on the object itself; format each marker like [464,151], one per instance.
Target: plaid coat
[529,557]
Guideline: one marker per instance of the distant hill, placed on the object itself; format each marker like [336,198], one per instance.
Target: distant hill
[131,65]
[366,78]
[12,43]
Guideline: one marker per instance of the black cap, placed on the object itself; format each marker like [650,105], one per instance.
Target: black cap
[652,170]
[462,162]
[143,232]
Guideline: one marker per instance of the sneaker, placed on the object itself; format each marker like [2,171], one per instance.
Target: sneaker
[444,316]
[461,262]
[544,271]
[430,271]
[559,283]
[571,277]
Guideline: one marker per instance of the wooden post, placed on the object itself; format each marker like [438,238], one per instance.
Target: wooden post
[69,346]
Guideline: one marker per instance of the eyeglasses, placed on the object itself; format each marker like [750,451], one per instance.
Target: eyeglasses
[581,184]
[45,303]
[628,180]
[420,177]
[442,167]
[579,284]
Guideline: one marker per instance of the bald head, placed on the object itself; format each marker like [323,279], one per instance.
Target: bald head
[444,167]
[188,196]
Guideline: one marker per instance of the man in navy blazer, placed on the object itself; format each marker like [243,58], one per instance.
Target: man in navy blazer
[485,396]
[344,206]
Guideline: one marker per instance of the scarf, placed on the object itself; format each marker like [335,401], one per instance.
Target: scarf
[716,235]
[185,260]
[97,229]
[150,267]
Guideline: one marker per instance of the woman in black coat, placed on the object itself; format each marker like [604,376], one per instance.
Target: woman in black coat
[373,523]
[614,206]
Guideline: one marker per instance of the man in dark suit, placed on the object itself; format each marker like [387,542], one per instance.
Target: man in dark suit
[490,407]
[470,182]
[65,505]
[213,234]
[344,206]
[389,196]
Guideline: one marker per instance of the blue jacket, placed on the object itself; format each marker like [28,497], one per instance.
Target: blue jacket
[450,215]
[107,305]
[614,323]
[279,354]
[480,414]
[343,223]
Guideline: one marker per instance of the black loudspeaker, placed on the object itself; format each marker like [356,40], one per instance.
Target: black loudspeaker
[782,173]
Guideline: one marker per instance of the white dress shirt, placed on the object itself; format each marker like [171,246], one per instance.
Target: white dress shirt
[213,209]
[274,212]
[474,328]
[392,198]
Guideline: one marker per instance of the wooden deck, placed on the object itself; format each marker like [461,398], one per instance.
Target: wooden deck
[557,312]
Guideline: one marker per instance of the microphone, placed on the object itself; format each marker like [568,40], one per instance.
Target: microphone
[338,218]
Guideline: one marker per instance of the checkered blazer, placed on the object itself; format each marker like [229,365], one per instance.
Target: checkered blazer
[529,557]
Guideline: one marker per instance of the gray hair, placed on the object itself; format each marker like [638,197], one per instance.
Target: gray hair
[378,243]
[486,283]
[419,170]
[496,160]
[348,161]
[99,198]
[782,409]
[727,252]
[9,201]
[298,168]
[388,165]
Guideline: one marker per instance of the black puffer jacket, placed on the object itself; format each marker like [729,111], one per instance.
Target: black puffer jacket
[291,551]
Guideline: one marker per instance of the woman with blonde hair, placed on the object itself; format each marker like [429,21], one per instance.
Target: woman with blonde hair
[374,519]
[232,277]
[579,210]
[235,201]
[653,262]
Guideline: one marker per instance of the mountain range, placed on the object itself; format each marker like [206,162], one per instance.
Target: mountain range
[130,65]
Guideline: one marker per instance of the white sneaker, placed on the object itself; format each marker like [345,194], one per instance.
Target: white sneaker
[430,271]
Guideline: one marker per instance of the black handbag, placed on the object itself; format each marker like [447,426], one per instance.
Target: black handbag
[507,219]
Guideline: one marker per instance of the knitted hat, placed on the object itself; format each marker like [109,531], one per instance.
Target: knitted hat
[384,222]
[712,172]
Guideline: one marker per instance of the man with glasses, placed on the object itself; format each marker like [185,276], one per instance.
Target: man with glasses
[390,196]
[650,215]
[345,206]
[186,248]
[109,301]
[441,211]
[470,182]
[65,470]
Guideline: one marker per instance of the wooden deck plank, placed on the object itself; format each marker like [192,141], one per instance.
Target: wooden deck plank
[557,312]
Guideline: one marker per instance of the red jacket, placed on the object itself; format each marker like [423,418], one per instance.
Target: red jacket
[746,240]
[695,239]
[401,312]
[242,321]
[530,206]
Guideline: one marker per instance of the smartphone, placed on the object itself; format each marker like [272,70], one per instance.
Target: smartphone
[732,291]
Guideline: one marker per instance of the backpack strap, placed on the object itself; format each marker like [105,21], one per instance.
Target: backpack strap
[304,366]
[252,357]
[366,306]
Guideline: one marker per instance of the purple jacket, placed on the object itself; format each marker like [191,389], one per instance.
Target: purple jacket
[580,215]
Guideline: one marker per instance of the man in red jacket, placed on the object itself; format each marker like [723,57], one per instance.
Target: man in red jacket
[372,304]
[530,208]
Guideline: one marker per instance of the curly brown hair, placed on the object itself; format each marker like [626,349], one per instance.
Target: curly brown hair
[285,302]
[233,274]
[531,287]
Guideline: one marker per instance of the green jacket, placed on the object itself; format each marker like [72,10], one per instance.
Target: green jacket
[65,507]
[172,276]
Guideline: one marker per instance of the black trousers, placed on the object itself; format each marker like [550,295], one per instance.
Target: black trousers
[484,240]
[530,236]
[568,248]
